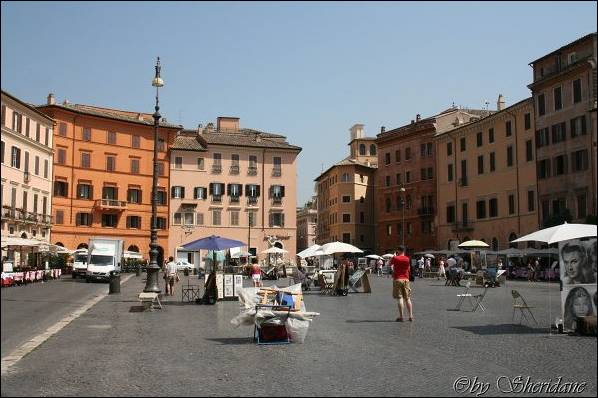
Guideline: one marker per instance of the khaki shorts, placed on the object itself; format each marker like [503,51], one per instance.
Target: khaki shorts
[400,288]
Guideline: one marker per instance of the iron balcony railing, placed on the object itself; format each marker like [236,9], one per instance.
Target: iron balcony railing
[234,170]
[252,200]
[425,211]
[216,169]
[252,170]
[276,172]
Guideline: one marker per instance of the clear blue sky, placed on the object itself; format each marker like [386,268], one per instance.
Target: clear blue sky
[306,70]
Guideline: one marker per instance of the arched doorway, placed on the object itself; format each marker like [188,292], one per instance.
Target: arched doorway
[82,246]
[278,244]
[512,236]
[133,248]
[495,244]
[60,244]
[24,235]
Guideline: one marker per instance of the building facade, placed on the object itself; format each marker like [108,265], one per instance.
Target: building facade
[233,182]
[103,166]
[487,178]
[406,181]
[307,224]
[345,195]
[564,93]
[26,170]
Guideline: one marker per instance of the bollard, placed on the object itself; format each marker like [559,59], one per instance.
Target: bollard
[114,286]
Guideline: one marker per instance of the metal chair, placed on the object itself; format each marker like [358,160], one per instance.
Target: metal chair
[520,303]
[479,299]
[464,295]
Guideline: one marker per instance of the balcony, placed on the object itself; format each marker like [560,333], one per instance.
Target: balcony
[276,201]
[216,169]
[234,170]
[252,201]
[217,199]
[234,200]
[276,172]
[425,211]
[9,212]
[26,177]
[252,171]
[463,226]
[463,181]
[110,204]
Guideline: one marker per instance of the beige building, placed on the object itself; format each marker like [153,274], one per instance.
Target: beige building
[307,224]
[564,93]
[345,193]
[26,170]
[487,178]
[233,182]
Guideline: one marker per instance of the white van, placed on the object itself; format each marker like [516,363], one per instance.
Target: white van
[80,263]
[105,257]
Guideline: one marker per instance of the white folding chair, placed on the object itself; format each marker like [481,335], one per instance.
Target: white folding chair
[479,298]
[464,295]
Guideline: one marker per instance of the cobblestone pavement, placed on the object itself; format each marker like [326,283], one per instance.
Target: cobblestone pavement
[355,348]
[30,309]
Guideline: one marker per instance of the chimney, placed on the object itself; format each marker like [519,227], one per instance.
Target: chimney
[500,104]
[51,99]
[140,117]
[356,131]
[199,126]
[418,117]
[382,129]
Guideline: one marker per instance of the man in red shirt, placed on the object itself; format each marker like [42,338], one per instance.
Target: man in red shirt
[400,284]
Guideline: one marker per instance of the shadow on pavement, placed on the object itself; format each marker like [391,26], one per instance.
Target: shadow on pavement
[233,340]
[369,321]
[137,308]
[507,328]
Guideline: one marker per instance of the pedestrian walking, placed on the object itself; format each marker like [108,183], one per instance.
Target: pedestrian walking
[428,264]
[401,289]
[379,265]
[420,267]
[170,276]
[441,271]
[256,274]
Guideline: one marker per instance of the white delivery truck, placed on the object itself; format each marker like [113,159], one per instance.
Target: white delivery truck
[80,263]
[105,257]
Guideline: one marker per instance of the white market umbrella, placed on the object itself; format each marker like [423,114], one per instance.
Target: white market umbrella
[14,241]
[131,254]
[374,256]
[309,252]
[429,255]
[473,244]
[275,250]
[559,233]
[387,256]
[339,247]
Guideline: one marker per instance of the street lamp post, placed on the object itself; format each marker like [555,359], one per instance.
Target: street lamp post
[151,284]
[402,190]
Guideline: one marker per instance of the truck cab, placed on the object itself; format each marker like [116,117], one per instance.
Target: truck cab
[80,263]
[104,258]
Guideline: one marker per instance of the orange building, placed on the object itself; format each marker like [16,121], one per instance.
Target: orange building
[103,160]
[406,159]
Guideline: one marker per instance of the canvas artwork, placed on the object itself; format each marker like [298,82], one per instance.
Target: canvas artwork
[577,261]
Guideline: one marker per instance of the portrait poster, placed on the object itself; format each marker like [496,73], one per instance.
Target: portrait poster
[577,264]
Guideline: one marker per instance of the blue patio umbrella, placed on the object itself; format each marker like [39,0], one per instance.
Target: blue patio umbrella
[213,243]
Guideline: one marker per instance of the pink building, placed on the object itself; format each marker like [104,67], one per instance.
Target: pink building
[232,182]
[26,170]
